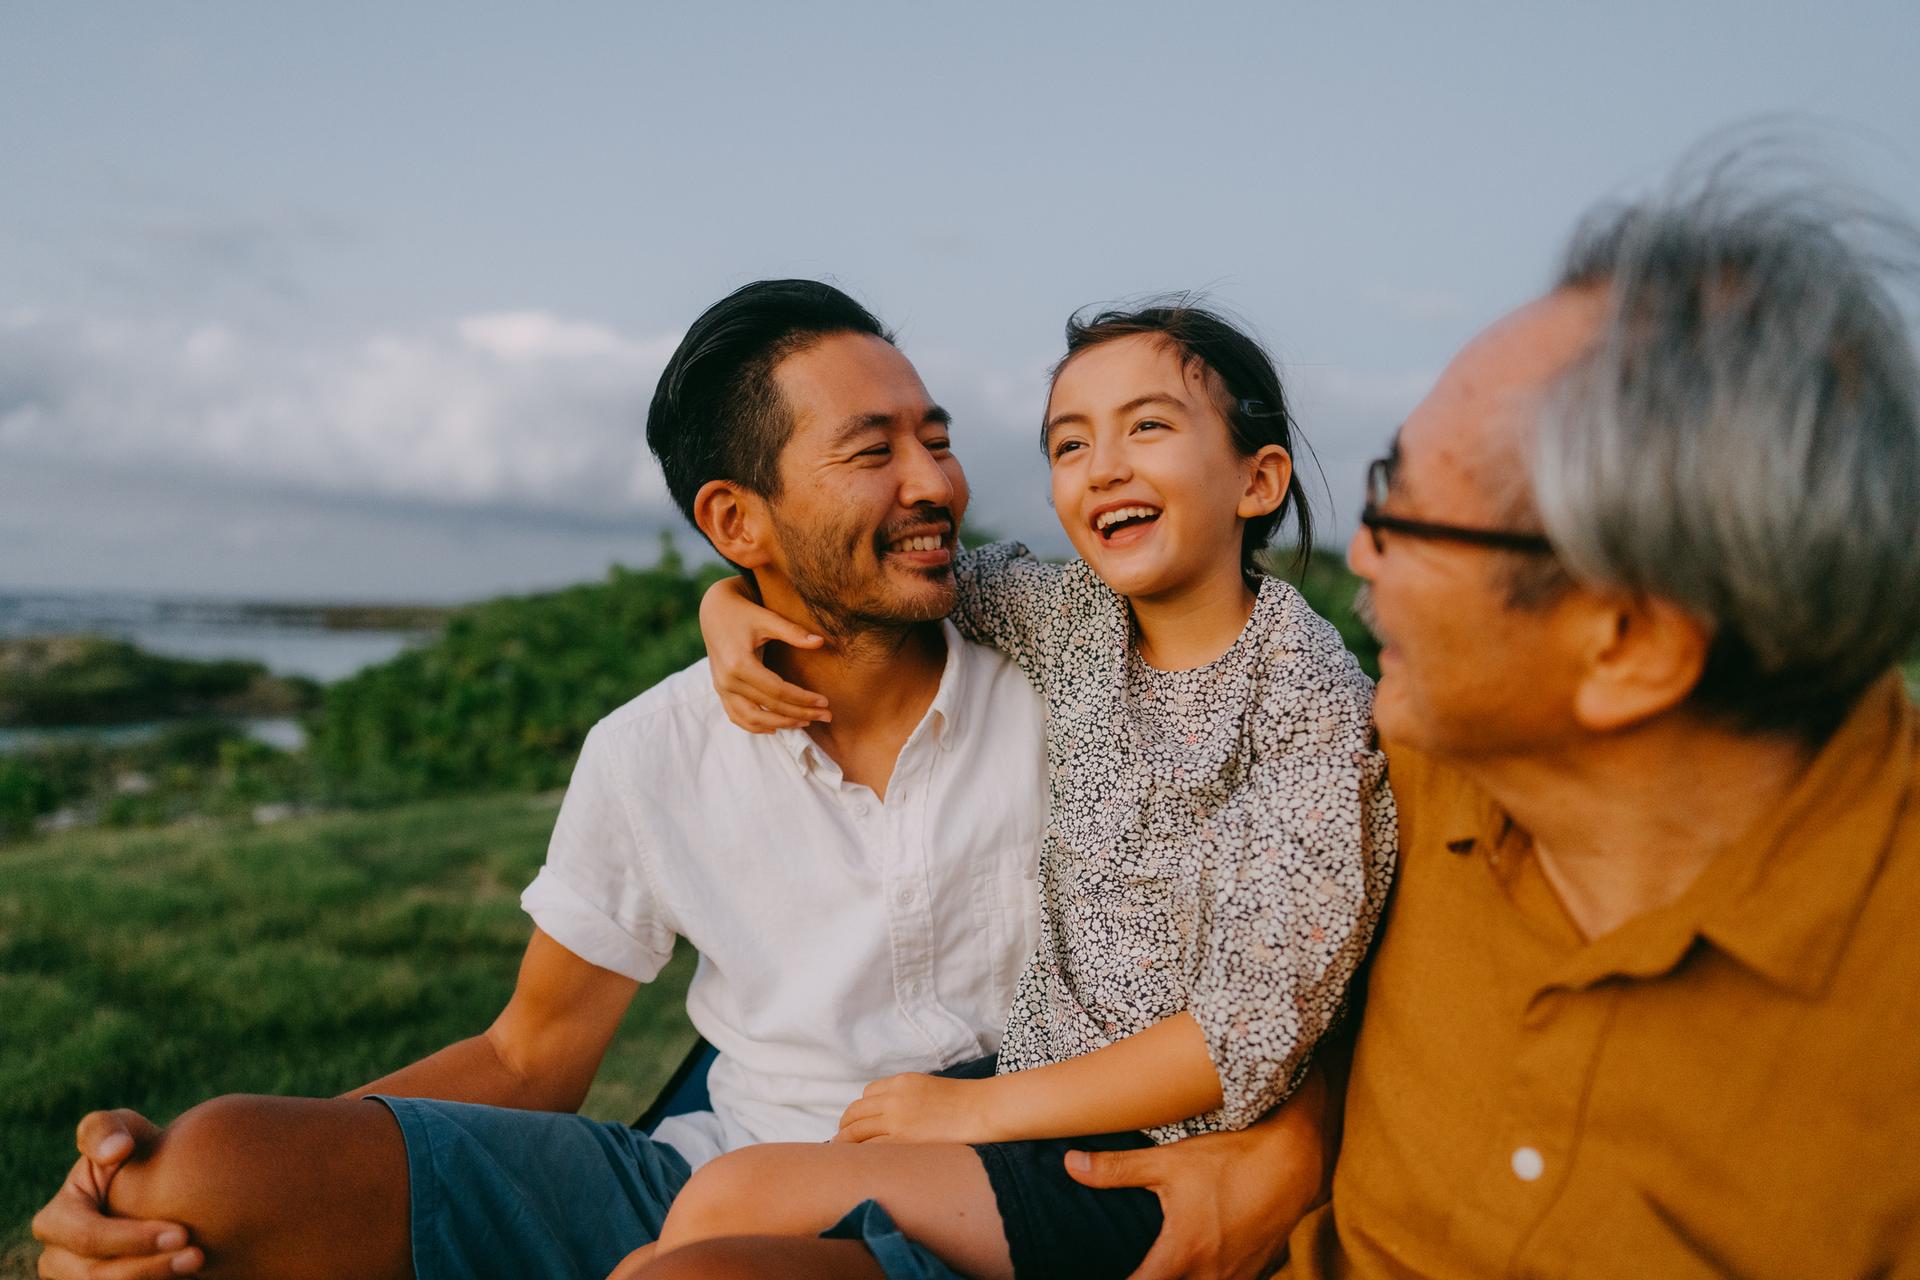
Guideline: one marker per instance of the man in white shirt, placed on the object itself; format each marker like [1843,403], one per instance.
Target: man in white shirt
[860,891]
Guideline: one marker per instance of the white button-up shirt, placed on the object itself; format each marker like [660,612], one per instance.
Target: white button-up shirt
[841,939]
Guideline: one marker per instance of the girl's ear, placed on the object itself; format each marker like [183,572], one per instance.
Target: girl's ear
[1270,472]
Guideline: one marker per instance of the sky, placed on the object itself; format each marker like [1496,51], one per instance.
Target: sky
[366,301]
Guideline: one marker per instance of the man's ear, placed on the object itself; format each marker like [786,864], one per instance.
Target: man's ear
[735,521]
[1644,657]
[1272,472]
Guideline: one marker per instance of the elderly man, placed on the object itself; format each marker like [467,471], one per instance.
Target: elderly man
[1644,562]
[861,894]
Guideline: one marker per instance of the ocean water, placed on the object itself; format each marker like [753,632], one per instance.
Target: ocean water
[289,642]
[292,642]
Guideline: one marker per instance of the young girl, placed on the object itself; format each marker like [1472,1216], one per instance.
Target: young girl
[1219,836]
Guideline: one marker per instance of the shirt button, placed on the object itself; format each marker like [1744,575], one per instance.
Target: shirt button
[1528,1164]
[904,896]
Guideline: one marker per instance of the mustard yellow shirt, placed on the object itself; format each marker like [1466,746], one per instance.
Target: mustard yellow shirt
[1729,1085]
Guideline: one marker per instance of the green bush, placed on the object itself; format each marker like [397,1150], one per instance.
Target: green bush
[26,792]
[507,693]
[69,680]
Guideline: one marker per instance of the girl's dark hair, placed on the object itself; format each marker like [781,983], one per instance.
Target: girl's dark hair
[1246,389]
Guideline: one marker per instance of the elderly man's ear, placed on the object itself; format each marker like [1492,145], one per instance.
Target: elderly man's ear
[736,521]
[1642,658]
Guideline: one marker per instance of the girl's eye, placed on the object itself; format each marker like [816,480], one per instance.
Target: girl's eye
[1065,447]
[1146,424]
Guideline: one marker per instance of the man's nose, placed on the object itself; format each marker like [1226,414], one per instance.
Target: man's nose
[1362,555]
[923,480]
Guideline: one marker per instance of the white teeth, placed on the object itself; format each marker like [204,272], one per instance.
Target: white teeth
[1107,519]
[928,543]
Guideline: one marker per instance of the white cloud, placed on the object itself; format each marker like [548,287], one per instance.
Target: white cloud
[510,408]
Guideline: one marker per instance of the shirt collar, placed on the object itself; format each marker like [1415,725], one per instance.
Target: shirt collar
[1792,894]
[1781,900]
[949,701]
[944,715]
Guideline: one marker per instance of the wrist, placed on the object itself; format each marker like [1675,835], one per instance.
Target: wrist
[993,1110]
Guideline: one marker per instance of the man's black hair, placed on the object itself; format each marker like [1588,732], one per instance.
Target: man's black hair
[717,414]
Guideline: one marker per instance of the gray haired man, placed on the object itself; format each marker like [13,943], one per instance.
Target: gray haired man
[1644,562]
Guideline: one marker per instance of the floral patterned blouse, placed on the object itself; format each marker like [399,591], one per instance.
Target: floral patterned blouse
[1218,840]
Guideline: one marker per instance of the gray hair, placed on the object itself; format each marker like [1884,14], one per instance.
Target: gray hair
[1743,439]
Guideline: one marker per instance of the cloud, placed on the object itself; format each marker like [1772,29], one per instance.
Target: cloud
[1425,307]
[519,408]
[262,458]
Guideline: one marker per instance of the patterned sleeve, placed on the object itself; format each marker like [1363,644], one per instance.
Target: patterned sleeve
[1303,858]
[1009,601]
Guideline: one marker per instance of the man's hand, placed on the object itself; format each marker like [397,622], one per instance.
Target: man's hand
[82,1242]
[919,1108]
[1230,1199]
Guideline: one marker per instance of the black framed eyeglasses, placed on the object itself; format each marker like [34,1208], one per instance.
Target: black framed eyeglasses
[1378,522]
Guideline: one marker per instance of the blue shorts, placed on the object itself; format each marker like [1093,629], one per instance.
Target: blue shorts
[529,1194]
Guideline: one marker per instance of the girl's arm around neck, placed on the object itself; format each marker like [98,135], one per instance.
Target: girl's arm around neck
[1160,1076]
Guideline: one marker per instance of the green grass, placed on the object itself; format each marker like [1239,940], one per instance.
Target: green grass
[153,969]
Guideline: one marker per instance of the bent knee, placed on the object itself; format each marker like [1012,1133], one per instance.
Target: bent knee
[708,1260]
[725,1196]
[192,1163]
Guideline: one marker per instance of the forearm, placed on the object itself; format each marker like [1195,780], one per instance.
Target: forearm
[474,1070]
[1160,1076]
[541,1053]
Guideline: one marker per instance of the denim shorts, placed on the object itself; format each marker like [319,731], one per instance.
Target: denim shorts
[521,1195]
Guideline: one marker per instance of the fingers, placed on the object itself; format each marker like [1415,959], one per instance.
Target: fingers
[754,718]
[82,1243]
[866,1129]
[62,1264]
[757,699]
[861,1108]
[74,1220]
[108,1137]
[764,686]
[771,626]
[1115,1168]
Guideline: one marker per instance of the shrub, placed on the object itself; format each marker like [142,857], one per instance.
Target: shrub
[507,693]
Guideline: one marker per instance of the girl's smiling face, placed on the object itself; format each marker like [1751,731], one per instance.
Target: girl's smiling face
[1146,479]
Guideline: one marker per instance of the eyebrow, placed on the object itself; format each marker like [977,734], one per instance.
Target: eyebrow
[1138,402]
[860,422]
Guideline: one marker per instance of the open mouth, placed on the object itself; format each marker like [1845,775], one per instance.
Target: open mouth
[1115,521]
[926,545]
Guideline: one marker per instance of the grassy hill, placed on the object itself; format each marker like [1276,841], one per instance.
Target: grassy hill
[151,969]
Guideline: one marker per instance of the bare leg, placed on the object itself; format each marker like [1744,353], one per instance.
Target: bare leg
[937,1193]
[756,1257]
[281,1188]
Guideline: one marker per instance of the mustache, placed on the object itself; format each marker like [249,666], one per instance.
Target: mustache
[923,515]
[1363,609]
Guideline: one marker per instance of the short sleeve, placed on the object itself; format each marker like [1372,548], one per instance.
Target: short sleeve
[1010,601]
[595,896]
[1303,855]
